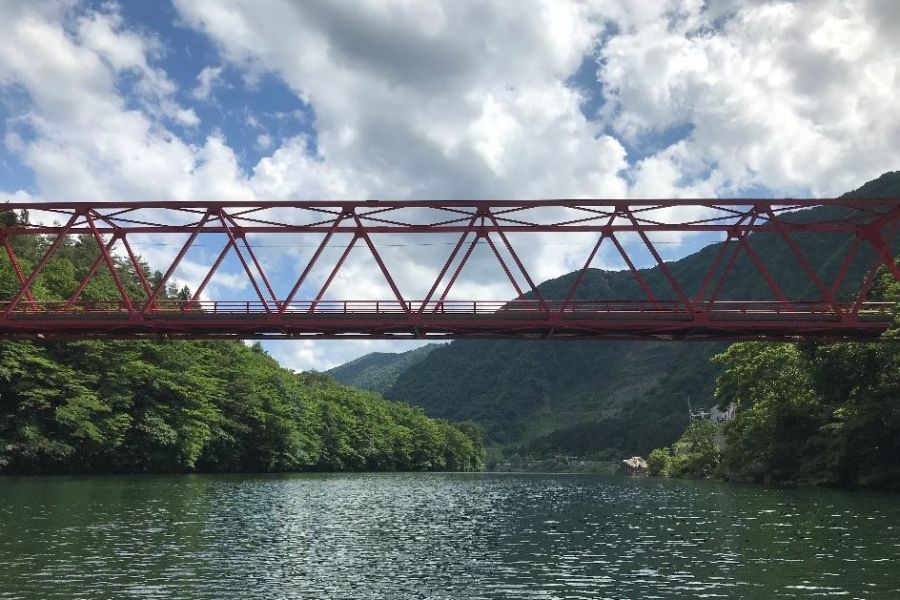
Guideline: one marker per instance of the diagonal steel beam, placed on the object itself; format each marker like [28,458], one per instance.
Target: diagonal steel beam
[243,261]
[207,277]
[770,281]
[161,286]
[256,263]
[505,268]
[868,282]
[18,270]
[635,272]
[110,264]
[456,273]
[804,263]
[877,240]
[136,264]
[578,278]
[522,269]
[852,251]
[447,264]
[407,308]
[331,275]
[87,278]
[312,261]
[664,267]
[48,254]
[714,266]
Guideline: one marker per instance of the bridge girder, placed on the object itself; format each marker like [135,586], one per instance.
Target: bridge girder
[866,227]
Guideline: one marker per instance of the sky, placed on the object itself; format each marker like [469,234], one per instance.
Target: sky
[278,99]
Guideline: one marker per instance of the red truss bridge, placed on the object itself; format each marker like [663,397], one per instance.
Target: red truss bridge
[816,301]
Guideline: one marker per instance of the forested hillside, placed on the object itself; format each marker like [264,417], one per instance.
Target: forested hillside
[137,406]
[582,397]
[823,414]
[377,371]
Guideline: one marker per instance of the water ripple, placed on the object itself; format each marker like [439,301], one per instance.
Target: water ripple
[440,536]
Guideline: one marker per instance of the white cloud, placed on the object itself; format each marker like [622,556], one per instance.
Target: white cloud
[792,96]
[263,141]
[305,355]
[207,78]
[17,196]
[85,141]
[432,99]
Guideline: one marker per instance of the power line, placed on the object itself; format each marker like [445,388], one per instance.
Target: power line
[342,246]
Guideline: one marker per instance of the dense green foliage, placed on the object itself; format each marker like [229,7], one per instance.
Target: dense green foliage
[99,406]
[596,398]
[377,371]
[697,453]
[818,414]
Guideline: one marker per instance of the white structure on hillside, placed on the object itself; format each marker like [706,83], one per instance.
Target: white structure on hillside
[714,414]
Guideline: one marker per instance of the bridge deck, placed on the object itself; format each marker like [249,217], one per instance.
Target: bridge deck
[392,320]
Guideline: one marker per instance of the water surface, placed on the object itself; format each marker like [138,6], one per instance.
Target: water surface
[440,536]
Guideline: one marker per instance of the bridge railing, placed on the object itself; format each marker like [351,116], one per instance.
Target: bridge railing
[520,308]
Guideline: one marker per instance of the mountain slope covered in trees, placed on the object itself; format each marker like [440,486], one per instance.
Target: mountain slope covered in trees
[377,371]
[583,397]
[138,406]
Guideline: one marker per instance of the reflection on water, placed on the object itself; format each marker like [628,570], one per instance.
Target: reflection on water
[440,536]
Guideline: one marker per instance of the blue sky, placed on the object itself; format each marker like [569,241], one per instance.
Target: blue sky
[270,99]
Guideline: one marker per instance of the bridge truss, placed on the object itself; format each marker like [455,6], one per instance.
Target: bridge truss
[861,231]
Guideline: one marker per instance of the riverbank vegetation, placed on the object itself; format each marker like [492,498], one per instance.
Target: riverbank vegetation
[820,414]
[181,406]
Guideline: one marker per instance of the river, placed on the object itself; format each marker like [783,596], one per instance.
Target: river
[440,536]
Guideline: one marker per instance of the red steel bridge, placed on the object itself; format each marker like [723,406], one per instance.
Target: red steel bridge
[860,231]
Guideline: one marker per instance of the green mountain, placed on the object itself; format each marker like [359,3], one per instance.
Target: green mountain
[583,397]
[378,371]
